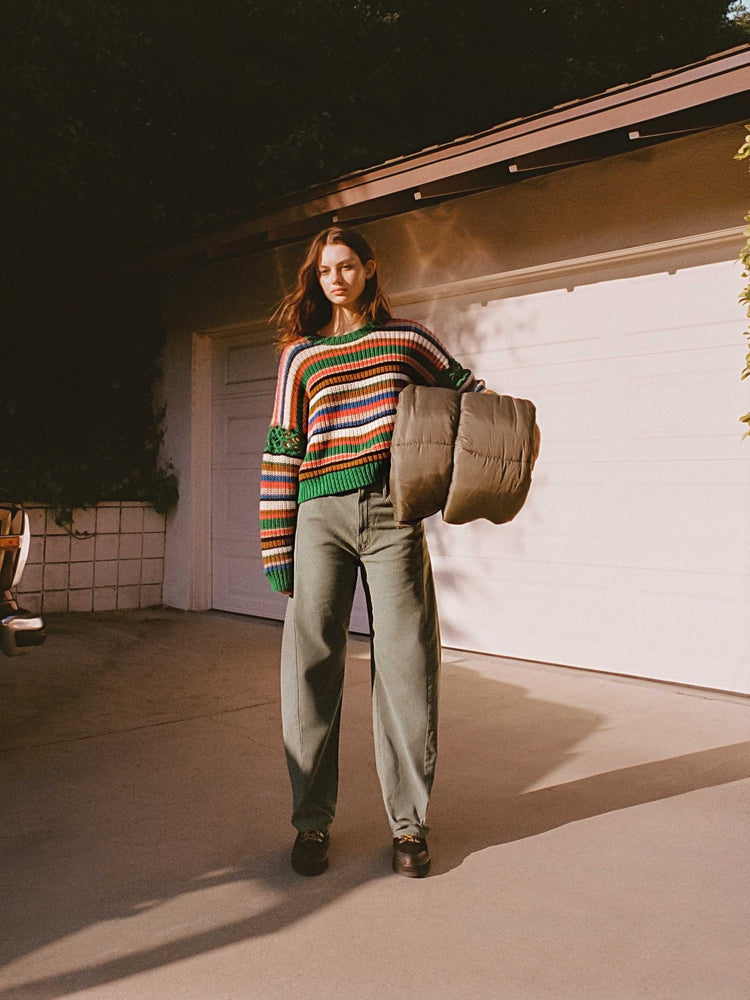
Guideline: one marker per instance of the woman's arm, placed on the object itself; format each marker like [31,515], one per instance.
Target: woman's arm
[446,372]
[284,451]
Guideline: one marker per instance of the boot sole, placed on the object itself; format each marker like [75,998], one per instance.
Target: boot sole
[411,870]
[311,869]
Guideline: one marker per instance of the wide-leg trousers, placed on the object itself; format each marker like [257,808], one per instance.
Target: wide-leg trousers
[338,537]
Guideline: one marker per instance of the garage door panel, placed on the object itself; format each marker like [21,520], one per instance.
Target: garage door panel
[672,529]
[648,627]
[669,300]
[678,474]
[494,366]
[571,411]
[479,539]
[641,316]
[492,363]
[240,427]
[694,403]
[566,522]
[528,322]
[239,584]
[689,638]
[669,409]
[634,525]
[533,616]
[661,301]
[235,504]
[677,339]
[692,296]
[240,363]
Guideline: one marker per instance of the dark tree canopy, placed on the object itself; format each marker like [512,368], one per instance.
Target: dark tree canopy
[123,120]
[152,114]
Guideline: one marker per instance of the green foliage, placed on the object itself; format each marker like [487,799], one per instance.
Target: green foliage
[79,422]
[739,14]
[743,153]
[164,493]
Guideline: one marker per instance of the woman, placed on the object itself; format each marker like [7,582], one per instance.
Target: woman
[325,516]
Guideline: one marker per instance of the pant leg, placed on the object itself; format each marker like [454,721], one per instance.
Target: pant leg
[313,654]
[406,663]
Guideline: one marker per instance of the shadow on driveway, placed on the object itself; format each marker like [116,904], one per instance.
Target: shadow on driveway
[142,763]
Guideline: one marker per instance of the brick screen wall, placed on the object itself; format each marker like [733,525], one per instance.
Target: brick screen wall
[111,557]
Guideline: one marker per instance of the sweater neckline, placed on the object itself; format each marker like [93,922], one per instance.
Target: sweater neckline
[343,338]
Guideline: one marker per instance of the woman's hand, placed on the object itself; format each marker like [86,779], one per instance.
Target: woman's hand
[286,593]
[537,445]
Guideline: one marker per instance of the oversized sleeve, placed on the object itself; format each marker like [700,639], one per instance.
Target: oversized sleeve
[447,373]
[285,448]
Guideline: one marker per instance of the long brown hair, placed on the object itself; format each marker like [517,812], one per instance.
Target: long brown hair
[306,310]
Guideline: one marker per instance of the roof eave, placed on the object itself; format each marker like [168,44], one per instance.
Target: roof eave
[401,181]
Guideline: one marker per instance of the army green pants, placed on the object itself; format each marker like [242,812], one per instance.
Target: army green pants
[336,538]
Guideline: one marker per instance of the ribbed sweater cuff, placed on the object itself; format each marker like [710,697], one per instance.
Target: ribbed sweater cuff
[280,579]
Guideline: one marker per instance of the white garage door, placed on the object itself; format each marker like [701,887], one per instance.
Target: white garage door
[632,554]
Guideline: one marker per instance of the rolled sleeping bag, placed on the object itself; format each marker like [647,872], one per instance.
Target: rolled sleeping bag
[469,455]
[493,456]
[422,451]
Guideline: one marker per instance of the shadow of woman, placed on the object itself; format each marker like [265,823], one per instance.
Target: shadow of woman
[497,743]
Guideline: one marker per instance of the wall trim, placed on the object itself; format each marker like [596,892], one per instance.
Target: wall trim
[729,239]
[258,328]
[201,584]
[200,590]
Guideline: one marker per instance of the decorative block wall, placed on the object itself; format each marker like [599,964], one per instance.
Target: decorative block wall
[111,557]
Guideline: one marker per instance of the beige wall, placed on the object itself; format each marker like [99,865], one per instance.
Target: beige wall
[687,186]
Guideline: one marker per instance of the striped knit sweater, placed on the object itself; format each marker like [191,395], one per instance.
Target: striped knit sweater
[333,421]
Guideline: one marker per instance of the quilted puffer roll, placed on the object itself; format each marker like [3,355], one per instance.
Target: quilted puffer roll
[422,451]
[469,455]
[492,459]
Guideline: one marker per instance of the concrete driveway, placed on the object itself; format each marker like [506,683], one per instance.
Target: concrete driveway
[590,834]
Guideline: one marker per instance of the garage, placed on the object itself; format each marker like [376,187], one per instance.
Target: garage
[603,286]
[633,546]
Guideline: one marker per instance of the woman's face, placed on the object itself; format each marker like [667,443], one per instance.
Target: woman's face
[342,275]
